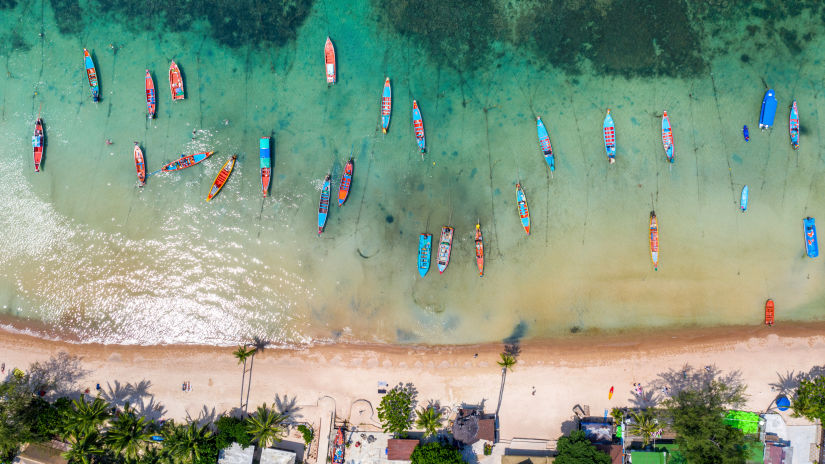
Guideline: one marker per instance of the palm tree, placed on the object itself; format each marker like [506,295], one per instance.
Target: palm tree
[85,418]
[429,419]
[83,447]
[644,425]
[242,353]
[258,345]
[265,426]
[507,362]
[186,443]
[128,434]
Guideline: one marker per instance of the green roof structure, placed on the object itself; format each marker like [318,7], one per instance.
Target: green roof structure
[747,422]
[648,457]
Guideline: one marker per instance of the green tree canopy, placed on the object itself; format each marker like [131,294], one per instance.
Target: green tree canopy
[507,361]
[429,419]
[265,426]
[697,417]
[644,425]
[810,399]
[128,434]
[231,430]
[396,409]
[189,444]
[577,449]
[86,418]
[17,416]
[83,448]
[436,453]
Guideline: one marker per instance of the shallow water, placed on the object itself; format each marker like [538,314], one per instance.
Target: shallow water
[99,259]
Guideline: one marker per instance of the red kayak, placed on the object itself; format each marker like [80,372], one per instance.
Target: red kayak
[37,144]
[346,182]
[175,82]
[151,97]
[140,165]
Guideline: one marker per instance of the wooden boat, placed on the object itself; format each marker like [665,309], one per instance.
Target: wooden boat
[418,128]
[769,312]
[544,144]
[811,244]
[91,74]
[323,207]
[222,177]
[523,212]
[425,243]
[654,241]
[346,182]
[186,161]
[445,246]
[175,82]
[386,105]
[329,59]
[609,138]
[151,96]
[266,164]
[667,138]
[338,447]
[743,200]
[794,126]
[768,112]
[746,133]
[479,250]
[140,165]
[37,144]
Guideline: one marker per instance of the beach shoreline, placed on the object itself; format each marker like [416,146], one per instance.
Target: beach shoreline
[550,378]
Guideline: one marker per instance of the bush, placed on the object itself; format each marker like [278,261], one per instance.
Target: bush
[230,430]
[396,409]
[436,453]
[307,433]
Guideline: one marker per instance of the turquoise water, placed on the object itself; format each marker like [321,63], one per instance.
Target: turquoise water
[97,258]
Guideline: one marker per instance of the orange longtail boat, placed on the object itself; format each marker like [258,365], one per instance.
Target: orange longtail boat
[151,96]
[346,182]
[479,250]
[329,59]
[175,82]
[222,177]
[654,241]
[140,165]
[769,312]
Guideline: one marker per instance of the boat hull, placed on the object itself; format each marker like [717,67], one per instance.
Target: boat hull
[479,241]
[743,199]
[768,112]
[186,161]
[811,243]
[746,133]
[609,131]
[346,182]
[769,309]
[151,96]
[329,61]
[794,126]
[386,106]
[140,165]
[266,164]
[544,144]
[523,211]
[418,128]
[91,75]
[445,246]
[37,144]
[667,138]
[222,177]
[654,241]
[323,206]
[176,82]
[425,243]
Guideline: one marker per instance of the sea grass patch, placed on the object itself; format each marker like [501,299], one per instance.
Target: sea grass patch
[69,16]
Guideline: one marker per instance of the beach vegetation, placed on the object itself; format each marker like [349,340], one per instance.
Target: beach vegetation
[307,433]
[242,354]
[266,426]
[577,449]
[697,414]
[507,362]
[128,434]
[809,401]
[644,425]
[84,447]
[86,417]
[429,420]
[396,409]
[436,453]
[17,424]
[191,444]
[231,430]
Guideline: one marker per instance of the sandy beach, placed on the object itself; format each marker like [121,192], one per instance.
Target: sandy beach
[564,373]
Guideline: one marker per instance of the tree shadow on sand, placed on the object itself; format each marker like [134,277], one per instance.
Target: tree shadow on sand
[135,395]
[286,406]
[673,381]
[57,377]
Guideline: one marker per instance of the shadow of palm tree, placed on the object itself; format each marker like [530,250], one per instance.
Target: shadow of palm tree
[57,376]
[206,416]
[690,378]
[118,394]
[260,345]
[787,384]
[286,406]
[649,398]
[151,410]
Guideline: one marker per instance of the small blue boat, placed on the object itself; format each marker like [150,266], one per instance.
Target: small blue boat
[768,113]
[91,74]
[811,245]
[609,130]
[323,206]
[746,133]
[544,144]
[425,243]
[743,200]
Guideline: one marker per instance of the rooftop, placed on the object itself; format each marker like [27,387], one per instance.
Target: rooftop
[400,449]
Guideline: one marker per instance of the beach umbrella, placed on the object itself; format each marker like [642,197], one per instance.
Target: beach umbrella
[783,403]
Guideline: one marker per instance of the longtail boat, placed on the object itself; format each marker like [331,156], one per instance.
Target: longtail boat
[667,138]
[329,59]
[769,313]
[186,161]
[425,243]
[37,144]
[222,177]
[768,112]
[386,105]
[523,212]
[418,128]
[266,165]
[91,74]
[151,96]
[323,206]
[544,144]
[609,138]
[338,448]
[794,126]
[445,246]
[479,250]
[175,82]
[346,182]
[140,165]
[654,241]
[743,199]
[811,244]
[746,133]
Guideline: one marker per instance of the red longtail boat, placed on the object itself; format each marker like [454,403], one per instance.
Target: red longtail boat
[329,59]
[346,182]
[175,82]
[37,144]
[151,96]
[140,165]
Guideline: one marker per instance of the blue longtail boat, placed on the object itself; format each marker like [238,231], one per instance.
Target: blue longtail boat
[418,128]
[743,200]
[386,106]
[266,165]
[425,243]
[768,113]
[609,138]
[794,126]
[523,212]
[746,133]
[186,161]
[667,138]
[91,74]
[811,244]
[544,144]
[323,207]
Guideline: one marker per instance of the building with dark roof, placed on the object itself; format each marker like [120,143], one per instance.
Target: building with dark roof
[399,449]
